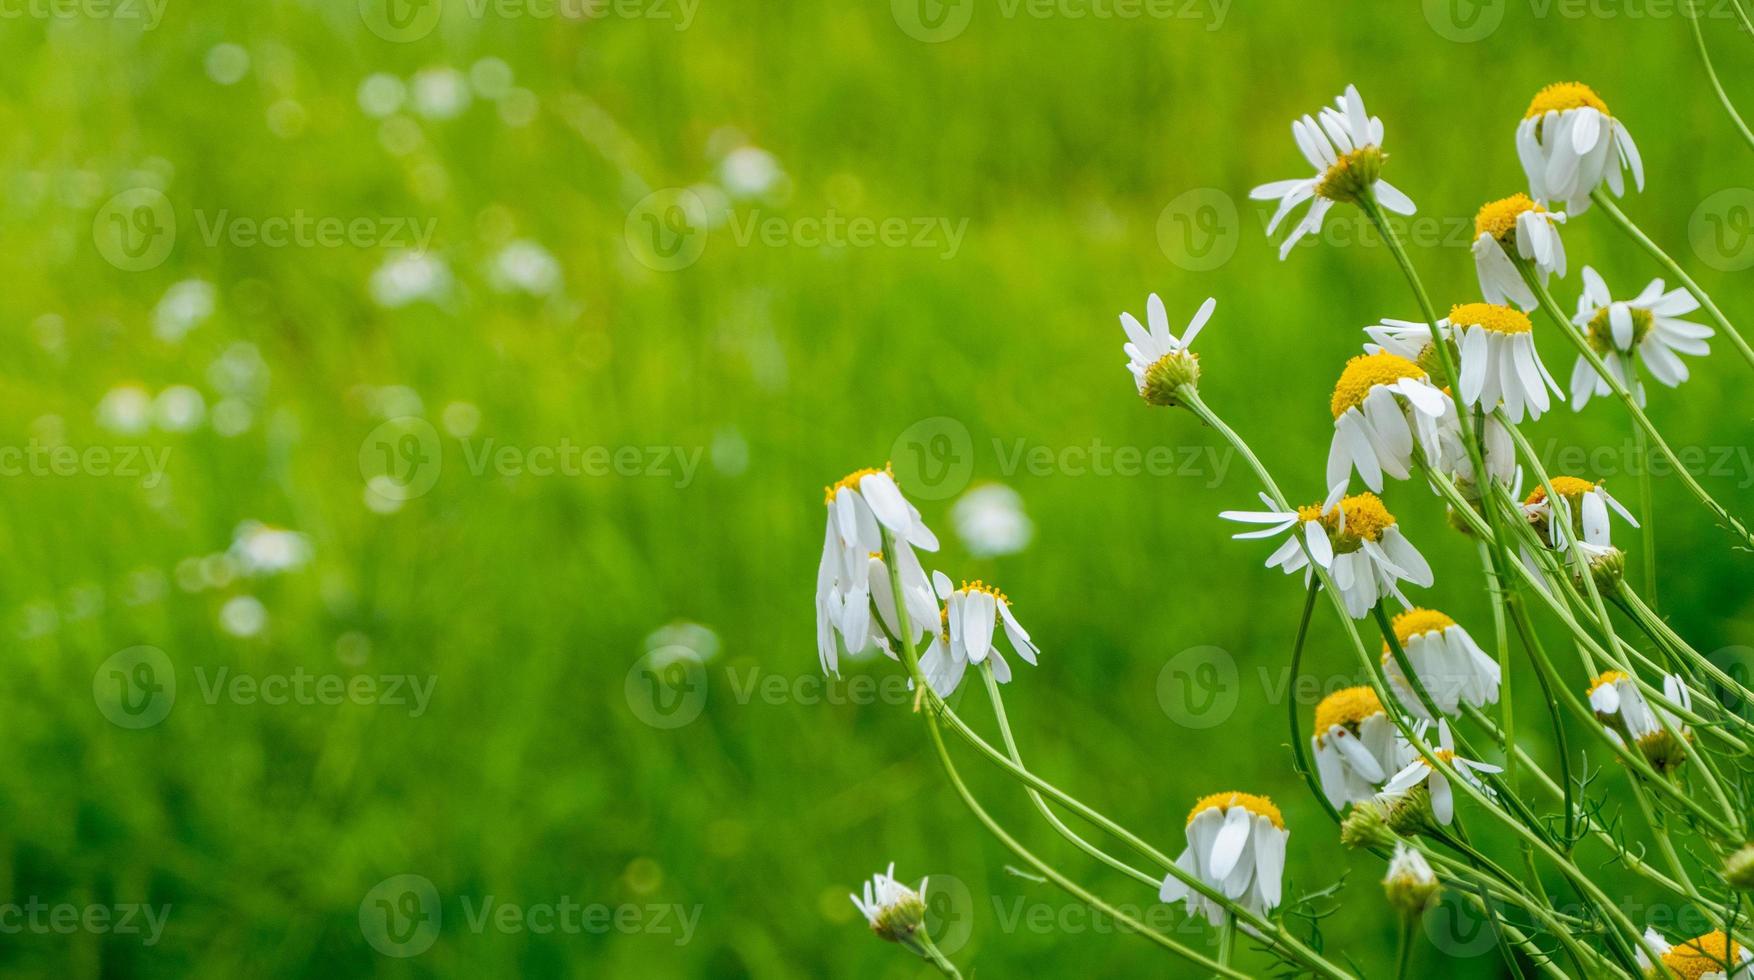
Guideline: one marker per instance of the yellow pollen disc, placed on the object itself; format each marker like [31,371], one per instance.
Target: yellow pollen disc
[1365,372]
[851,481]
[1416,621]
[1601,329]
[1348,706]
[1257,805]
[1366,517]
[1608,678]
[1444,755]
[1705,954]
[978,586]
[1561,96]
[1500,319]
[1498,218]
[1569,487]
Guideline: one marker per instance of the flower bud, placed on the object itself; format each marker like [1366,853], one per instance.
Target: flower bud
[1410,885]
[1410,813]
[1366,826]
[1739,869]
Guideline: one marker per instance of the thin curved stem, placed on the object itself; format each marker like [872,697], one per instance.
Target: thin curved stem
[1692,18]
[1301,761]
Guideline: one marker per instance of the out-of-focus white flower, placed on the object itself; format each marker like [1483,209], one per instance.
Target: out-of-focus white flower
[1449,664]
[990,521]
[409,277]
[1236,844]
[894,910]
[524,266]
[749,172]
[440,93]
[182,308]
[178,408]
[1645,325]
[243,616]
[381,94]
[125,409]
[262,549]
[1516,225]
[1410,883]
[1356,745]
[1569,145]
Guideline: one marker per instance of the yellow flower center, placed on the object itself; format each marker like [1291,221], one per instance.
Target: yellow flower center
[851,481]
[1608,678]
[1352,174]
[1365,516]
[1365,372]
[1561,96]
[1444,755]
[1601,329]
[1348,707]
[1257,805]
[1500,319]
[1498,218]
[1569,487]
[1710,953]
[979,586]
[1416,622]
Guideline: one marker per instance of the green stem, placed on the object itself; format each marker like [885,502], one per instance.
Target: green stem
[1646,507]
[1301,761]
[1404,951]
[1226,941]
[935,956]
[1693,15]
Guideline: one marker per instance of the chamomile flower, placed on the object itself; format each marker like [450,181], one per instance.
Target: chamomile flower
[1449,664]
[1516,226]
[1159,360]
[1713,956]
[1499,450]
[1586,507]
[1344,145]
[1645,325]
[1623,710]
[860,508]
[1356,745]
[894,910]
[1236,844]
[1569,145]
[1358,543]
[971,615]
[1420,774]
[1410,884]
[1496,348]
[1383,406]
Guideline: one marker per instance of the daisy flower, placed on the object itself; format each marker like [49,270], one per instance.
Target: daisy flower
[1713,956]
[1383,405]
[860,508]
[1645,325]
[1496,348]
[1449,664]
[1421,774]
[1356,745]
[1354,537]
[1586,505]
[1159,360]
[1516,226]
[1623,710]
[971,614]
[894,910]
[1236,844]
[1410,883]
[1344,145]
[1569,145]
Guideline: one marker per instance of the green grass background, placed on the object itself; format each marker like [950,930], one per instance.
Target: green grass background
[532,777]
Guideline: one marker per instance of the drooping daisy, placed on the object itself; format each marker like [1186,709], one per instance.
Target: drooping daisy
[1360,545]
[1344,145]
[1159,360]
[1382,404]
[1412,340]
[860,507]
[1356,745]
[1586,505]
[894,910]
[1496,348]
[1645,325]
[1569,145]
[1713,956]
[1499,450]
[1410,884]
[971,614]
[1421,774]
[1450,665]
[1236,844]
[1623,710]
[1517,226]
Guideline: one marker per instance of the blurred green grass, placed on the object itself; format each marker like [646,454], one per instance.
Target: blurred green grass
[532,776]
